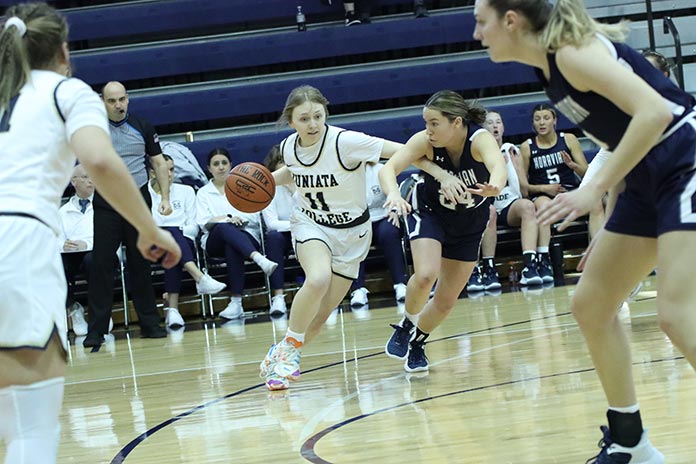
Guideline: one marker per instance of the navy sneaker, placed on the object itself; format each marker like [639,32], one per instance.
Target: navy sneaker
[490,279]
[397,346]
[544,269]
[417,360]
[530,276]
[475,283]
[613,453]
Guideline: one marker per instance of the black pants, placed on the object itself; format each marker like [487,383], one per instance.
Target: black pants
[110,230]
[74,264]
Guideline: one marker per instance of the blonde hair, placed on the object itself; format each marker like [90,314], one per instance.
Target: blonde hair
[298,96]
[38,48]
[571,24]
[564,23]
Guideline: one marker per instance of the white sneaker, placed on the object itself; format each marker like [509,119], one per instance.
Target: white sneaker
[209,286]
[359,297]
[77,316]
[266,265]
[400,292]
[234,309]
[278,306]
[173,319]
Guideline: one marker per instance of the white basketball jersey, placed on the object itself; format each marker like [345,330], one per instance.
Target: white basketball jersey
[330,175]
[36,161]
[511,191]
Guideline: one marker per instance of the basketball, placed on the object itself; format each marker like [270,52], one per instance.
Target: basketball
[249,187]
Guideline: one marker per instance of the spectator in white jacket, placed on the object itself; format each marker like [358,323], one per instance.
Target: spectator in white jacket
[181,223]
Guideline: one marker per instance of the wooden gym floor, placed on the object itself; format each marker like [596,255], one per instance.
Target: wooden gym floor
[510,382]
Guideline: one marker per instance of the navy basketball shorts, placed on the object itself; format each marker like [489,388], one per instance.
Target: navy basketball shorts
[660,193]
[460,235]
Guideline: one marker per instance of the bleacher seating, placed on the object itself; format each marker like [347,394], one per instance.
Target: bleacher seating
[222,68]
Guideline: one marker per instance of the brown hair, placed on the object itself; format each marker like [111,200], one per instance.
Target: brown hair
[453,105]
[38,48]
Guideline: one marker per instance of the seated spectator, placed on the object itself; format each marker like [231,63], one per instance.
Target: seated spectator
[181,223]
[77,237]
[554,163]
[384,234]
[229,233]
[511,210]
[278,239]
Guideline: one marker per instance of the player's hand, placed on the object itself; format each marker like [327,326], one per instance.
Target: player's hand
[569,206]
[568,160]
[158,244]
[165,208]
[236,220]
[485,190]
[452,187]
[396,206]
[553,189]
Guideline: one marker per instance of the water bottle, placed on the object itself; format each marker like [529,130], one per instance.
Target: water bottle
[300,17]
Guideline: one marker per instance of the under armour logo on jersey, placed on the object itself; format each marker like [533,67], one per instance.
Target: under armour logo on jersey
[572,110]
[439,158]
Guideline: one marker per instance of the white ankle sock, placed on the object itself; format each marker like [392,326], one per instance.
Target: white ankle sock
[266,265]
[29,422]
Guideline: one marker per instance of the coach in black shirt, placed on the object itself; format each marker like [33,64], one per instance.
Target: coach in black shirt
[134,140]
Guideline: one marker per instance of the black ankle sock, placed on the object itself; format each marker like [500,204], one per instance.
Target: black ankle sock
[528,257]
[626,428]
[420,336]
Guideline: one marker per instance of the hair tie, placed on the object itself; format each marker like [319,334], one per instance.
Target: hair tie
[18,23]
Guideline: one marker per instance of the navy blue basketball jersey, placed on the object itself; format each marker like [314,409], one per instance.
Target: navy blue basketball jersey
[467,169]
[546,165]
[601,119]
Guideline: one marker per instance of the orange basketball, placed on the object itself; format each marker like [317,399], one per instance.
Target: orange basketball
[249,187]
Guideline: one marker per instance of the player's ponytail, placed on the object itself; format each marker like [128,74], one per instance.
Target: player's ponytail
[31,37]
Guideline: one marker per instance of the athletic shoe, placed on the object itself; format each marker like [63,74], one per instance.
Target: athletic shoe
[490,279]
[266,365]
[276,382]
[209,286]
[397,346]
[77,316]
[400,292]
[153,332]
[544,269]
[613,453]
[173,319]
[359,297]
[234,309]
[285,358]
[351,19]
[278,307]
[530,276]
[417,361]
[475,283]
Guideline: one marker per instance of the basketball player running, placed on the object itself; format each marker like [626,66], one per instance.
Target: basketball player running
[631,108]
[45,119]
[445,235]
[330,224]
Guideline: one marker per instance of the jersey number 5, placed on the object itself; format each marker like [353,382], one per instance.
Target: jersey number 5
[5,115]
[552,175]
